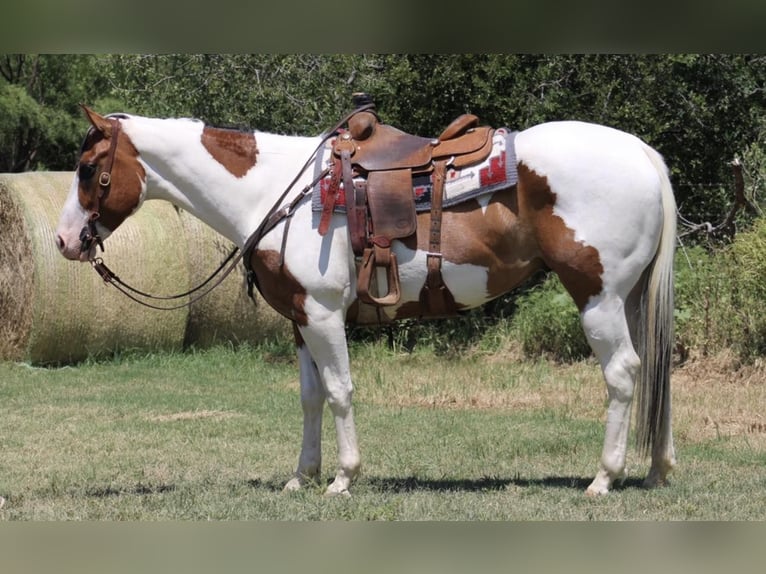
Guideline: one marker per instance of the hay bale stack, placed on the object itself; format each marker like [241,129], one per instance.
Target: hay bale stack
[227,314]
[58,311]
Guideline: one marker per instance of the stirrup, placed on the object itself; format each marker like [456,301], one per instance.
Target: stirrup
[369,264]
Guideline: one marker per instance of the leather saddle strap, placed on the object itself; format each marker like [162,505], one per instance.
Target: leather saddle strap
[435,297]
[437,199]
[355,205]
[332,197]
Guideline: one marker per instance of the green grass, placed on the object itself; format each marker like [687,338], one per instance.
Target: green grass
[215,435]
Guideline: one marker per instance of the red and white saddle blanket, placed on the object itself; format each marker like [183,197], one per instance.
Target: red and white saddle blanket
[498,171]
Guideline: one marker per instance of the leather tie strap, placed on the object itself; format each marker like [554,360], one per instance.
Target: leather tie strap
[333,194]
[435,297]
[355,205]
[437,196]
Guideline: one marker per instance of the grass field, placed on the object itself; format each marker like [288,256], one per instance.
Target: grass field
[215,435]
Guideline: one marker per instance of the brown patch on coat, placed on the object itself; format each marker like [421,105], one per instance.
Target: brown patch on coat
[494,238]
[578,265]
[279,286]
[128,176]
[516,235]
[234,150]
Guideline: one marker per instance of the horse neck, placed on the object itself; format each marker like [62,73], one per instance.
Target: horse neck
[180,170]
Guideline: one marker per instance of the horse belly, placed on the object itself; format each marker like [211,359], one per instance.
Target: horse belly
[467,283]
[485,253]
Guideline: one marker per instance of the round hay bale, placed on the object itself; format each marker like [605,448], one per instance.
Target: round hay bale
[16,270]
[226,314]
[57,311]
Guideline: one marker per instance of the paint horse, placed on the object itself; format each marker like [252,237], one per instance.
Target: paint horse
[591,203]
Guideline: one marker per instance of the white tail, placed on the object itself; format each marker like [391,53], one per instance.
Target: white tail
[655,337]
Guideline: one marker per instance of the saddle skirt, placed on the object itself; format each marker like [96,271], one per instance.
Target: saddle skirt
[497,172]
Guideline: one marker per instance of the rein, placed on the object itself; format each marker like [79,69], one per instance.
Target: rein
[232,260]
[272,218]
[132,293]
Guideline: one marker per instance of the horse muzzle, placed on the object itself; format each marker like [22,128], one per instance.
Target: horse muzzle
[80,247]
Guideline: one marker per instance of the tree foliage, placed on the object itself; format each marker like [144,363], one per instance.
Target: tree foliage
[40,124]
[698,110]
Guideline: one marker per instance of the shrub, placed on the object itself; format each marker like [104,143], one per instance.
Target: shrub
[721,296]
[744,263]
[547,323]
[697,283]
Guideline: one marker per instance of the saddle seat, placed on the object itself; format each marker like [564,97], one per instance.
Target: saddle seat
[376,163]
[380,147]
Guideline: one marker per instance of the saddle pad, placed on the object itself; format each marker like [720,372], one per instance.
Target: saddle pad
[498,171]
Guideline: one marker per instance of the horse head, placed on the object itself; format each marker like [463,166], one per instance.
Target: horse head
[108,186]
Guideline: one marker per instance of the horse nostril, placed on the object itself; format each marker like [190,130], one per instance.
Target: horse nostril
[60,242]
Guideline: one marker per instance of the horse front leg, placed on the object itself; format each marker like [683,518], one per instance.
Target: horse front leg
[312,403]
[325,338]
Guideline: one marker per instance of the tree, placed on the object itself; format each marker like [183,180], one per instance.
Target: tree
[40,122]
[699,111]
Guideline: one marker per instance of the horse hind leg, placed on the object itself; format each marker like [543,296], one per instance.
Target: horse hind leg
[606,328]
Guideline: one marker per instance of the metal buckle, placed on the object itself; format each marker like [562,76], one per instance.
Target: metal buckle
[105,179]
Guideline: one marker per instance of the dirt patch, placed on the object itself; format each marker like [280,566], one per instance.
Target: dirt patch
[716,397]
[713,397]
[480,401]
[725,368]
[487,384]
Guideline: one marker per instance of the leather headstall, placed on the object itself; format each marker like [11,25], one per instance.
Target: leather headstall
[89,233]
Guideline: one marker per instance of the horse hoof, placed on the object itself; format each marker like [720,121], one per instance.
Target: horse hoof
[655,482]
[338,487]
[598,488]
[596,492]
[331,492]
[293,485]
[658,473]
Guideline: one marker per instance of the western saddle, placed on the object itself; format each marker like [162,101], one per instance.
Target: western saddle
[375,163]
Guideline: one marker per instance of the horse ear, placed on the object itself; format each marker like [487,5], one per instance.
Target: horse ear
[97,121]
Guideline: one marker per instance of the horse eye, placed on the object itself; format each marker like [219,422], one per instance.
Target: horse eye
[87,170]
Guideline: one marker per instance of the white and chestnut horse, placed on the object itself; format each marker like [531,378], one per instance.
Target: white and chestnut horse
[592,203]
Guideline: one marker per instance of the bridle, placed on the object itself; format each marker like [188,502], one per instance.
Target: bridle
[89,232]
[275,215]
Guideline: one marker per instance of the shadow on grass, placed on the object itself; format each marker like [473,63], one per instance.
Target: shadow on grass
[411,483]
[414,484]
[137,490]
